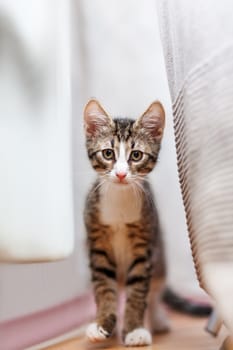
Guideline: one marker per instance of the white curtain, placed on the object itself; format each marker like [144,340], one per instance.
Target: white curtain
[197,38]
[36,205]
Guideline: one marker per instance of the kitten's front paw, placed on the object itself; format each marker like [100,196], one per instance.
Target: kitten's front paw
[138,337]
[96,333]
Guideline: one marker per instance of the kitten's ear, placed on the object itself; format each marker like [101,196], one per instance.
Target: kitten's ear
[95,118]
[152,122]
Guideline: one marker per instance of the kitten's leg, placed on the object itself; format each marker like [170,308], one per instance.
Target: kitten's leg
[137,287]
[158,319]
[104,281]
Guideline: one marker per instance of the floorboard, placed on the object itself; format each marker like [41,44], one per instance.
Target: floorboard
[187,334]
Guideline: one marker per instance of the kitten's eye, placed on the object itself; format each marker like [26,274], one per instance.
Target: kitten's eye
[108,154]
[136,156]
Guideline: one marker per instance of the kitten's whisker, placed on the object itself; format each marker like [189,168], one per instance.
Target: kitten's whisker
[135,191]
[140,177]
[106,188]
[147,194]
[139,190]
[97,187]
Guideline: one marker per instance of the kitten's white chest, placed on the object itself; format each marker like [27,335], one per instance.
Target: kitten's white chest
[119,204]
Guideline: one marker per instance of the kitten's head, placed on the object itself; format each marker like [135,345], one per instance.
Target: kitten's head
[123,150]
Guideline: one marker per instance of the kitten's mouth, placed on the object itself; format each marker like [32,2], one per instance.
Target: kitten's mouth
[121,182]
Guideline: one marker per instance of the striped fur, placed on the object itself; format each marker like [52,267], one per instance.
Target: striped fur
[124,239]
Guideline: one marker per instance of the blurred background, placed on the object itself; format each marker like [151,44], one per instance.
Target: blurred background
[54,56]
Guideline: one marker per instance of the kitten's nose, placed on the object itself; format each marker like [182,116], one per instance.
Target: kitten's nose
[121,175]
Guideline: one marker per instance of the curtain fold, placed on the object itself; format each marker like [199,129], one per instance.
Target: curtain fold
[36,204]
[198,48]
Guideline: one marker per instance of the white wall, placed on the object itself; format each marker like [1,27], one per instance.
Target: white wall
[117,58]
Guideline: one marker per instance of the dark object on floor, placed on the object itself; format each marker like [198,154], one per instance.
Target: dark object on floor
[184,305]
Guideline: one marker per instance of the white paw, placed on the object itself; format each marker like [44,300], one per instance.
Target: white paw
[138,337]
[96,333]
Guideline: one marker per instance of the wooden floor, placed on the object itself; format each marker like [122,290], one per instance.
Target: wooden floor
[187,334]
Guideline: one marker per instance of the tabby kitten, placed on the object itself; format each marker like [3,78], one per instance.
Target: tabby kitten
[124,236]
